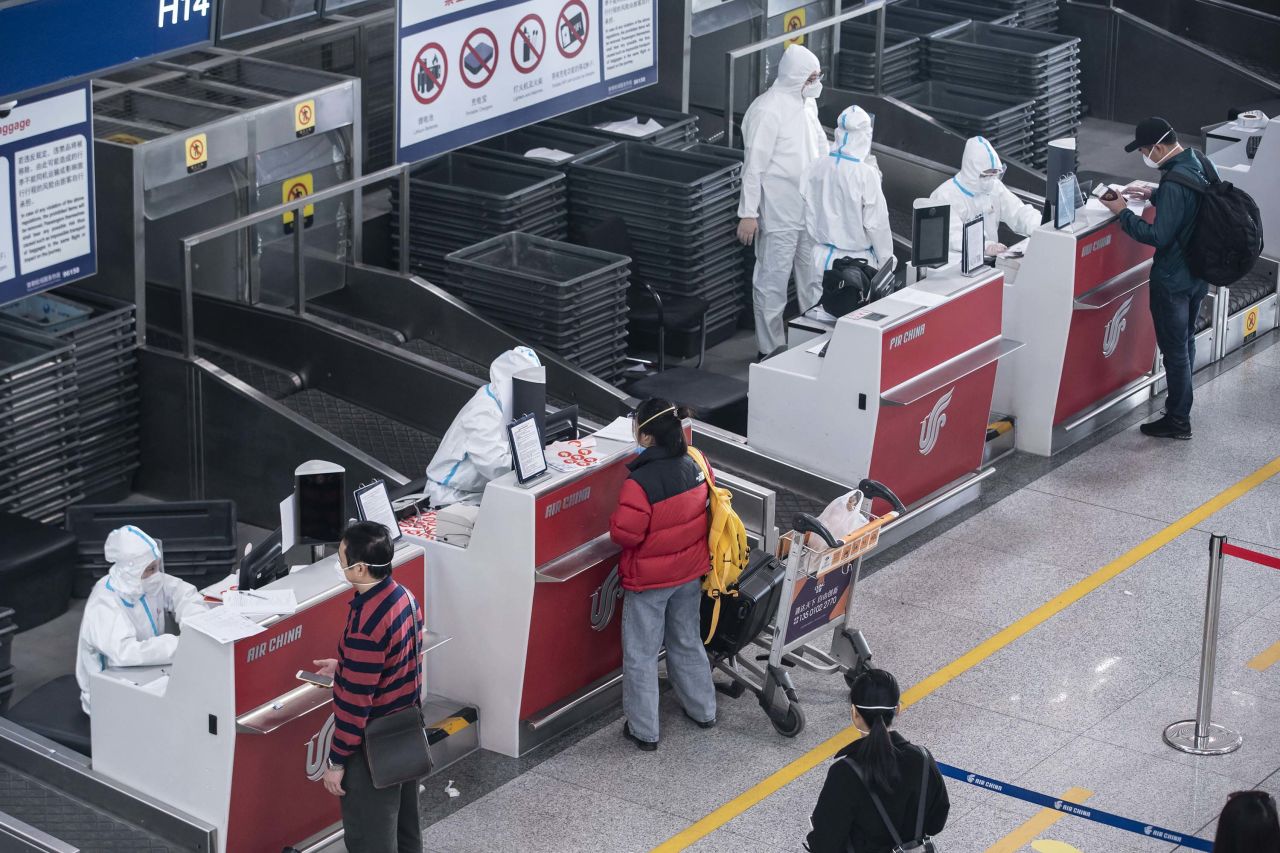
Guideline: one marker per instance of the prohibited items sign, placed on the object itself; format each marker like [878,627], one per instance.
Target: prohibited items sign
[528,44]
[572,27]
[429,74]
[479,58]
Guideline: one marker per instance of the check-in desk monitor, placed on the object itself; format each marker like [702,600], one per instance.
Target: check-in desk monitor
[930,234]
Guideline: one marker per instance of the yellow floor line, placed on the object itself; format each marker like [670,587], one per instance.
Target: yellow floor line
[1266,659]
[969,660]
[1031,830]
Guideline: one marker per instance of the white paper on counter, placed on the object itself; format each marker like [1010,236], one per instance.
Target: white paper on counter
[631,127]
[618,430]
[817,348]
[553,155]
[218,590]
[262,602]
[223,624]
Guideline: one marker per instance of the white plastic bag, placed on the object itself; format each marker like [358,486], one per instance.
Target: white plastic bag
[842,516]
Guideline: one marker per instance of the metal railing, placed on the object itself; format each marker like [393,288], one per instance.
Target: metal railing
[732,56]
[296,207]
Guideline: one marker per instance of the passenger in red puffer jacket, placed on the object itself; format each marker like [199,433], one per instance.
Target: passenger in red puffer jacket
[661,524]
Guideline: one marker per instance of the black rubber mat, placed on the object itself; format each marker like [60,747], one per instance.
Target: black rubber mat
[1206,316]
[789,503]
[405,449]
[1255,286]
[426,349]
[70,820]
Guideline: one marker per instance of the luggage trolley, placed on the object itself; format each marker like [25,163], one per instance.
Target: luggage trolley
[814,589]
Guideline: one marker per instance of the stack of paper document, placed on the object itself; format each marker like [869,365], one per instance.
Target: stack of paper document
[223,624]
[215,592]
[566,456]
[261,602]
[618,430]
[631,127]
[554,155]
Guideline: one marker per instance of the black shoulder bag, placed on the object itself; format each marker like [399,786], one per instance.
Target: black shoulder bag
[396,745]
[921,843]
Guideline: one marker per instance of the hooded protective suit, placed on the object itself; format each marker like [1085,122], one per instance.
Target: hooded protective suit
[476,449]
[123,622]
[845,211]
[783,139]
[971,195]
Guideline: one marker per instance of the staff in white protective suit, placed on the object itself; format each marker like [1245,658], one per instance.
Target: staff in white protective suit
[978,191]
[476,448]
[123,622]
[845,211]
[783,140]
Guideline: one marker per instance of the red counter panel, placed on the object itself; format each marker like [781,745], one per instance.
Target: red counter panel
[576,513]
[1107,349]
[928,339]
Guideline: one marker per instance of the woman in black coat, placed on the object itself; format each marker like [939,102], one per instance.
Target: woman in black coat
[846,819]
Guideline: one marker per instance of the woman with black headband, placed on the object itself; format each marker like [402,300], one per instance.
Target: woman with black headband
[882,791]
[1248,824]
[661,526]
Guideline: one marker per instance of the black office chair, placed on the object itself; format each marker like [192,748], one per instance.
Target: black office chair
[718,399]
[648,312]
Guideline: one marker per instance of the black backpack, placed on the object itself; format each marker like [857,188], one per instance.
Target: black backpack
[1227,237]
[847,286]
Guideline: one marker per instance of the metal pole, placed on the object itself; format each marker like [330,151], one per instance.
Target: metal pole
[1202,736]
[300,275]
[188,305]
[404,219]
[728,100]
[880,52]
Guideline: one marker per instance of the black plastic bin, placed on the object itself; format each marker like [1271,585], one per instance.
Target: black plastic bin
[512,146]
[679,130]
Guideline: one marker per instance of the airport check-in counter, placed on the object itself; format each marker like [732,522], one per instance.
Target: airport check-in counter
[1079,299]
[533,605]
[226,732]
[902,393]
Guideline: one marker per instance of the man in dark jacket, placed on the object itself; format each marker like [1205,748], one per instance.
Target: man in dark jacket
[1175,293]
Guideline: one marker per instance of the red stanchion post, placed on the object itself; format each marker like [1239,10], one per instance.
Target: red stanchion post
[1202,736]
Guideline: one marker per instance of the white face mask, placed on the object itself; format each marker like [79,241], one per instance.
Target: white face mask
[1152,164]
[987,183]
[812,90]
[153,585]
[341,573]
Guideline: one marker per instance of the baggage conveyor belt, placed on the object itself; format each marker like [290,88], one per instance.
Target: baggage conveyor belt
[70,820]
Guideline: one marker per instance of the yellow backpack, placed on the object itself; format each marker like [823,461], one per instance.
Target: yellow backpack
[727,538]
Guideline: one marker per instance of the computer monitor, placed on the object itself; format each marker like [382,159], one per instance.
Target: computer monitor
[1060,159]
[930,234]
[529,396]
[263,564]
[321,496]
[1065,202]
[561,425]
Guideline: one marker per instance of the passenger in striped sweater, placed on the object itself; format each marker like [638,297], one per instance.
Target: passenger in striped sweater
[376,673]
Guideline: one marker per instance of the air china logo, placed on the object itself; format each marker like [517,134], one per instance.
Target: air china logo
[931,426]
[1115,327]
[580,496]
[604,601]
[1101,243]
[318,750]
[906,337]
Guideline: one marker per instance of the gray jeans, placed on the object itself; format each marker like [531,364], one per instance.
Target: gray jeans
[648,619]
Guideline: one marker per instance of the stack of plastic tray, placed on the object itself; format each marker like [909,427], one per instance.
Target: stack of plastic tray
[516,145]
[986,11]
[198,538]
[680,209]
[905,20]
[101,332]
[1004,120]
[1041,66]
[902,67]
[554,295]
[679,130]
[8,628]
[40,474]
[462,199]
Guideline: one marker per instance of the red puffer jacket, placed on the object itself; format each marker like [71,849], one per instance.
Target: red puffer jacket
[661,522]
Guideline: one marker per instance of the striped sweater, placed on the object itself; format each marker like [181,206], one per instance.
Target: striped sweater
[379,668]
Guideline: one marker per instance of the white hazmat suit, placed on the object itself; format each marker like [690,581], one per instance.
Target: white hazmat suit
[971,195]
[476,448]
[845,211]
[123,622]
[783,140]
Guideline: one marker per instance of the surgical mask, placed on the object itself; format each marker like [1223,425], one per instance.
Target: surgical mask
[987,183]
[1152,164]
[341,573]
[812,90]
[153,585]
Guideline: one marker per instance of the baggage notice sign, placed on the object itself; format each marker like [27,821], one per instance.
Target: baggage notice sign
[47,233]
[518,62]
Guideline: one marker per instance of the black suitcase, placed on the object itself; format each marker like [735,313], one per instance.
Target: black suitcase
[744,616]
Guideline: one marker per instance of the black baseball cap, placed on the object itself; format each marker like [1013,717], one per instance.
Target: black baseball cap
[1148,132]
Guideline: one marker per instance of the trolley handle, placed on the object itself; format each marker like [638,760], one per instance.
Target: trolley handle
[876,489]
[805,523]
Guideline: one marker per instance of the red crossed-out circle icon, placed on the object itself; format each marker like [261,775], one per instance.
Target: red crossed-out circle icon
[528,44]
[479,59]
[429,73]
[572,26]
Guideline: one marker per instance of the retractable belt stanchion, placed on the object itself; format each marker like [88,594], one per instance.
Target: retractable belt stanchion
[1201,736]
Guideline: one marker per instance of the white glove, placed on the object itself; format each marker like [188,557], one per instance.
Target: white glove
[992,249]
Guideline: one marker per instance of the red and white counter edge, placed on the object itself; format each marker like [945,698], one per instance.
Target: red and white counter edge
[533,605]
[1079,299]
[902,394]
[227,733]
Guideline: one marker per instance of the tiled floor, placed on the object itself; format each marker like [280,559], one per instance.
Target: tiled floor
[1078,701]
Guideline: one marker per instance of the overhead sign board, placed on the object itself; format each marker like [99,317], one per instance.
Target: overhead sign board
[466,70]
[47,235]
[45,41]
